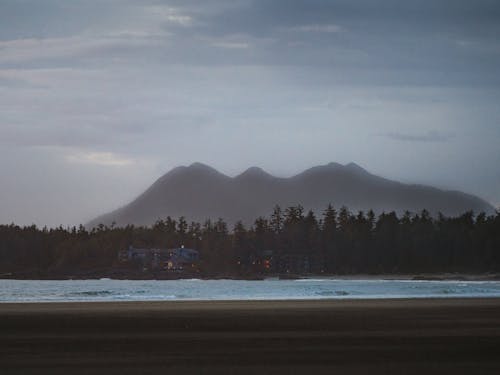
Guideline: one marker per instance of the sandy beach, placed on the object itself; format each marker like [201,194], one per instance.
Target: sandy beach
[432,336]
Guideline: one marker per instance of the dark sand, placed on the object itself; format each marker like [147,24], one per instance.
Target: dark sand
[440,336]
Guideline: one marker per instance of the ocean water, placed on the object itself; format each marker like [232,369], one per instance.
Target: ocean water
[270,289]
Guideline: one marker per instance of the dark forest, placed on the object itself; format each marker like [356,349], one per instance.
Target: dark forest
[290,241]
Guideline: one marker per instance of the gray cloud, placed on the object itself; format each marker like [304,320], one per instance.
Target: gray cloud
[126,90]
[430,136]
[387,41]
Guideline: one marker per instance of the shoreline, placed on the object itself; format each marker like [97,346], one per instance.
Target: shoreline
[173,277]
[412,336]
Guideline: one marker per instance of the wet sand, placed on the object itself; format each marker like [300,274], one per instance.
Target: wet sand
[432,336]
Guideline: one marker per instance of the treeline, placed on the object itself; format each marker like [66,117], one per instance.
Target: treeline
[289,241]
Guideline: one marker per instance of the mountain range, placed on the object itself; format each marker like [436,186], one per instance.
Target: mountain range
[199,192]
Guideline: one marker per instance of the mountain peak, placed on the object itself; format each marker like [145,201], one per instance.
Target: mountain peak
[194,170]
[333,165]
[355,168]
[253,172]
[198,165]
[322,169]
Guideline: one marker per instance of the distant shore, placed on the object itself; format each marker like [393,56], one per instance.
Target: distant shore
[179,276]
[431,336]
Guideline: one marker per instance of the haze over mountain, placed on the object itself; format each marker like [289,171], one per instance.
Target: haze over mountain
[198,192]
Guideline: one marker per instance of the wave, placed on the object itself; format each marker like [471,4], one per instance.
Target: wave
[449,291]
[314,288]
[332,293]
[90,293]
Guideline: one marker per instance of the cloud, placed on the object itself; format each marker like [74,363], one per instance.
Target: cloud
[12,83]
[168,14]
[76,47]
[388,43]
[430,136]
[318,28]
[107,159]
[230,45]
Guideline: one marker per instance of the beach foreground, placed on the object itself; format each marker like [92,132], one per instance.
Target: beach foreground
[432,336]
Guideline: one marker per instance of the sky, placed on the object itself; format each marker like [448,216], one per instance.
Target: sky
[100,98]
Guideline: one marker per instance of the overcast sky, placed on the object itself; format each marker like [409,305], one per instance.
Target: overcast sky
[100,98]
